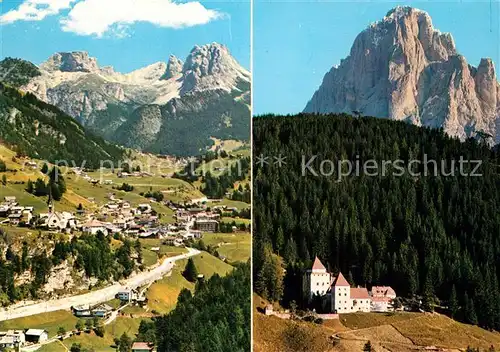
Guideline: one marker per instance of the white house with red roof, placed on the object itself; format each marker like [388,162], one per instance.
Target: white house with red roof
[382,297]
[336,289]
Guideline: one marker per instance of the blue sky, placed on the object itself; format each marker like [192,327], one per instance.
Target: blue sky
[297,42]
[149,35]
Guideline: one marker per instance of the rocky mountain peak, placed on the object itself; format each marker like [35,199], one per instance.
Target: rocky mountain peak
[404,11]
[208,59]
[174,67]
[211,66]
[403,68]
[76,61]
[403,26]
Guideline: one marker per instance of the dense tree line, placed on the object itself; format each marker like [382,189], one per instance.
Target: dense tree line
[93,255]
[156,195]
[126,187]
[56,185]
[13,264]
[215,318]
[96,257]
[187,129]
[17,72]
[217,186]
[227,227]
[242,194]
[437,236]
[189,174]
[42,131]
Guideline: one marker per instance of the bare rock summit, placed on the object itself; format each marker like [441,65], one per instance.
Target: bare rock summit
[403,68]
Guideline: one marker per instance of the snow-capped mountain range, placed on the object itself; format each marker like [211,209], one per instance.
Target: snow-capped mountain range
[404,69]
[139,109]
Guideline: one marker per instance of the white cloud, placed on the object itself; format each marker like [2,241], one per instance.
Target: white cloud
[35,10]
[97,17]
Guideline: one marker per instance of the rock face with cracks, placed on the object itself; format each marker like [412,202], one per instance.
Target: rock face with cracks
[402,68]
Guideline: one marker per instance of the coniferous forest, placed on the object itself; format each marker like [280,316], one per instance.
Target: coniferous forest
[215,318]
[435,236]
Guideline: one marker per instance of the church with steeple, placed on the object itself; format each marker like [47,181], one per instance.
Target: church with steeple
[336,290]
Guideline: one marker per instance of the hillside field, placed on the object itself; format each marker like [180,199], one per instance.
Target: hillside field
[387,332]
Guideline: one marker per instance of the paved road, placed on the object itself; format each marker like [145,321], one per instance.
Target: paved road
[99,296]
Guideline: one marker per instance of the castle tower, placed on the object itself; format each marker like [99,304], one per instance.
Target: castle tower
[316,280]
[341,295]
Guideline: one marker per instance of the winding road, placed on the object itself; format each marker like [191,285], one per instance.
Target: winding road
[98,296]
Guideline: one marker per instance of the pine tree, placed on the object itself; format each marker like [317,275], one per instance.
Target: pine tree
[125,343]
[470,310]
[350,279]
[428,295]
[56,193]
[280,240]
[368,347]
[190,272]
[30,187]
[40,188]
[290,254]
[453,302]
[45,169]
[9,254]
[79,325]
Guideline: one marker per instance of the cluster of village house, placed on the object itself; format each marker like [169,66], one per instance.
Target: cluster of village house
[20,338]
[338,294]
[104,310]
[121,174]
[122,218]
[15,338]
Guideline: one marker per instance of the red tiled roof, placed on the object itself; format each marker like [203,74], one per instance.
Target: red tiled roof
[318,265]
[381,299]
[359,293]
[141,346]
[341,281]
[382,291]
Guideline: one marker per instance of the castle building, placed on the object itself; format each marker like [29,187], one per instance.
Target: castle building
[340,296]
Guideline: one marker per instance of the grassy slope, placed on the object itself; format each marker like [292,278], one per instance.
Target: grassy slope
[235,247]
[162,295]
[400,332]
[48,321]
[52,321]
[238,221]
[80,190]
[272,334]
